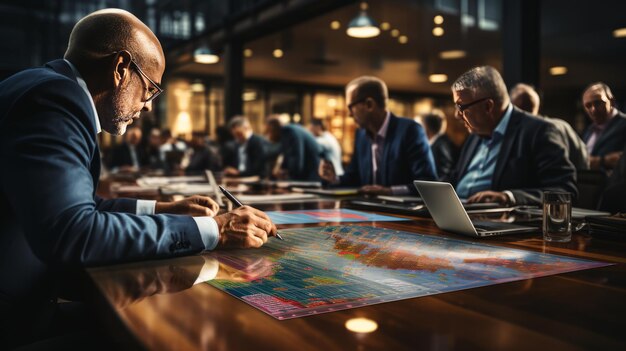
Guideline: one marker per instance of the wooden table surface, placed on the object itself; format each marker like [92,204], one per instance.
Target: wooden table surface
[156,306]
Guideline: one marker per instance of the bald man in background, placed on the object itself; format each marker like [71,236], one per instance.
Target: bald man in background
[526,98]
[51,219]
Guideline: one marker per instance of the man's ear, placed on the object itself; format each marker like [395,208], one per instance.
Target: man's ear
[121,67]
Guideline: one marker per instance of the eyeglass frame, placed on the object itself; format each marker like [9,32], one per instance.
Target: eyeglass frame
[159,90]
[462,107]
[354,103]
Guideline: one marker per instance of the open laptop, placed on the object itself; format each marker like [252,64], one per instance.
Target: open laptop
[448,213]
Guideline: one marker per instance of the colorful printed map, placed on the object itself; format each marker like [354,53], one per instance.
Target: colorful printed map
[324,269]
[327,215]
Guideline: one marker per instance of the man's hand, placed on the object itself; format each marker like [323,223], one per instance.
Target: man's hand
[230,171]
[326,171]
[192,206]
[244,227]
[375,190]
[489,196]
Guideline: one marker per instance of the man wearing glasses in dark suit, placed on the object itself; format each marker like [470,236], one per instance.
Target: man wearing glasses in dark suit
[50,218]
[511,156]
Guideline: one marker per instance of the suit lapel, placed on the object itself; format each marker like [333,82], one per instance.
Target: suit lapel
[366,165]
[608,134]
[507,145]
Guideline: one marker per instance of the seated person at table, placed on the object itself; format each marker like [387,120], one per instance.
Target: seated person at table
[613,198]
[526,98]
[51,221]
[389,152]
[605,137]
[331,150]
[300,151]
[203,156]
[511,157]
[444,151]
[128,156]
[249,158]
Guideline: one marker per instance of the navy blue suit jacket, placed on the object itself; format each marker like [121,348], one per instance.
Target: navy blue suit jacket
[50,216]
[532,159]
[301,153]
[613,139]
[256,160]
[406,157]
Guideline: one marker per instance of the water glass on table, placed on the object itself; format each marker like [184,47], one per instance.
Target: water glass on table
[557,216]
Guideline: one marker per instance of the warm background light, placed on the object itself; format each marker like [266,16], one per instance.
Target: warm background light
[395,33]
[438,78]
[403,39]
[335,25]
[278,53]
[247,52]
[558,70]
[361,325]
[619,33]
[438,31]
[452,54]
[438,19]
[385,26]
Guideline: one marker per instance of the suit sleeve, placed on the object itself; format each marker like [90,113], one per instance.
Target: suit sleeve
[419,155]
[293,150]
[554,171]
[257,158]
[48,150]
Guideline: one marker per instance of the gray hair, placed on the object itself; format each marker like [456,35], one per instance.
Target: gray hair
[238,121]
[527,98]
[370,87]
[486,80]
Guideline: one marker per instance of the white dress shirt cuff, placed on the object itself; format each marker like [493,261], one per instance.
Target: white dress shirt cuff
[208,271]
[209,232]
[145,207]
[511,197]
[400,190]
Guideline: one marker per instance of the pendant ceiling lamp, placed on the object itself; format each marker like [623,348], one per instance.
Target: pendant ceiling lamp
[204,55]
[363,26]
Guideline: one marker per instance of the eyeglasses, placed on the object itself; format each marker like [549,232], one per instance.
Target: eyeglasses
[462,107]
[354,103]
[155,90]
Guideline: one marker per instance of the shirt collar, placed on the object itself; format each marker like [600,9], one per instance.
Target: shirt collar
[504,122]
[83,85]
[382,132]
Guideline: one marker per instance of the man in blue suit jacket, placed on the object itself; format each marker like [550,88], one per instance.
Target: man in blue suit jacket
[301,153]
[389,152]
[51,220]
[511,156]
[606,136]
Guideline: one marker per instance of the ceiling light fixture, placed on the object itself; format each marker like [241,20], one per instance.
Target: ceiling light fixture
[558,70]
[395,33]
[363,26]
[452,54]
[334,25]
[438,78]
[438,31]
[247,53]
[619,33]
[438,19]
[385,26]
[204,55]
[403,39]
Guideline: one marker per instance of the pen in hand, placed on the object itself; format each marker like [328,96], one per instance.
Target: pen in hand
[238,203]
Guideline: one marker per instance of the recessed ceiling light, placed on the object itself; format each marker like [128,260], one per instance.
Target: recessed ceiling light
[438,19]
[558,70]
[278,53]
[361,325]
[335,25]
[205,56]
[438,31]
[247,52]
[452,54]
[385,26]
[438,78]
[395,33]
[403,39]
[619,33]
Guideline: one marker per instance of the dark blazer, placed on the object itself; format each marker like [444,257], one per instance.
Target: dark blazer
[532,159]
[613,139]
[406,157]
[203,158]
[50,216]
[446,154]
[577,150]
[256,161]
[301,153]
[613,198]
